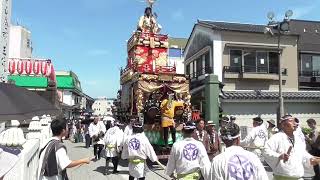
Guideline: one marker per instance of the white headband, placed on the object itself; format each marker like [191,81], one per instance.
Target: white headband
[137,126]
[118,123]
[189,127]
[229,137]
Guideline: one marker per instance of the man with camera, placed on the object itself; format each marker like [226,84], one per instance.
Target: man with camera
[96,131]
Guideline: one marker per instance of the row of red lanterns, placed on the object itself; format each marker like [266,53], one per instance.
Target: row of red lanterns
[36,67]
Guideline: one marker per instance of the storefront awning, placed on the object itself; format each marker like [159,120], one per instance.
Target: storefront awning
[65,82]
[29,81]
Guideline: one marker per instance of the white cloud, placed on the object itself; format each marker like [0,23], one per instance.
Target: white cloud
[98,52]
[177,15]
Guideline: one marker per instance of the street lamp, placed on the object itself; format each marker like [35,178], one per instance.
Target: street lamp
[280,27]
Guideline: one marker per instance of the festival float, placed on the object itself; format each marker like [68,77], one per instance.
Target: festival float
[148,80]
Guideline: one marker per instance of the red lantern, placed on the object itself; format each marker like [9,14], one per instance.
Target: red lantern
[28,67]
[36,67]
[52,76]
[12,66]
[44,68]
[20,66]
[49,69]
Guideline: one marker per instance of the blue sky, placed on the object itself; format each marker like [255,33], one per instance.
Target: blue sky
[89,36]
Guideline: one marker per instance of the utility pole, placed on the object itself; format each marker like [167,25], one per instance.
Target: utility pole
[280,27]
[281,105]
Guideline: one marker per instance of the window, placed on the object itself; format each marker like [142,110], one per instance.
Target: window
[188,69]
[310,65]
[262,61]
[306,63]
[249,58]
[28,43]
[199,66]
[203,64]
[256,61]
[316,63]
[207,60]
[273,62]
[235,60]
[191,69]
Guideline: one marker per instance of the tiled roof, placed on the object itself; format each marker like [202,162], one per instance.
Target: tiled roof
[271,95]
[234,26]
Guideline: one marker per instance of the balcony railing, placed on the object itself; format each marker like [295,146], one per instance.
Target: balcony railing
[309,73]
[253,69]
[203,71]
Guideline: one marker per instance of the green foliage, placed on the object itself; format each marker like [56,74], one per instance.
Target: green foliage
[306,130]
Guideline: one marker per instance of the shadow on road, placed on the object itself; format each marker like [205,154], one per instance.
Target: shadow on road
[123,163]
[80,146]
[101,169]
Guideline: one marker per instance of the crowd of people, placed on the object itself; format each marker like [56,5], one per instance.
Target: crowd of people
[291,153]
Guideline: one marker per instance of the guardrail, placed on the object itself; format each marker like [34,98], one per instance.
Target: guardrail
[26,168]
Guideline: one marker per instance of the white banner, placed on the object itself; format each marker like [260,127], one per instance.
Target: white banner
[5,17]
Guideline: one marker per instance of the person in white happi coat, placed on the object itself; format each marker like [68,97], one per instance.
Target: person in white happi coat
[257,137]
[53,158]
[137,149]
[188,158]
[128,129]
[286,153]
[113,143]
[235,162]
[96,132]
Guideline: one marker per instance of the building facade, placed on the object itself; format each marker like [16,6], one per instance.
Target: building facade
[175,54]
[103,106]
[308,53]
[20,44]
[70,94]
[246,60]
[35,74]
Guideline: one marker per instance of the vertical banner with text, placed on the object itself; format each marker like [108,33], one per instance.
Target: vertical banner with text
[5,17]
